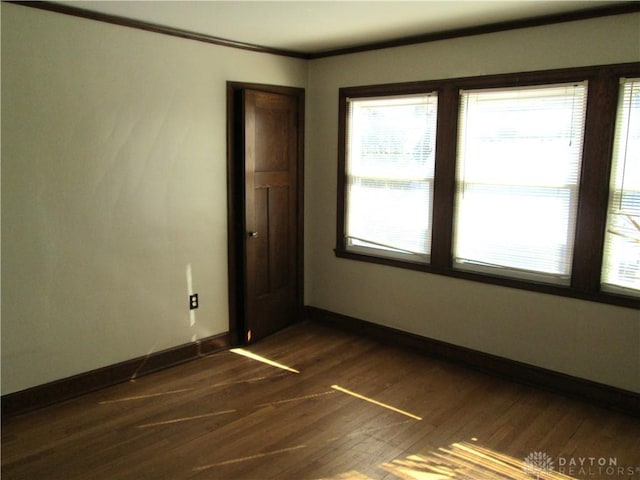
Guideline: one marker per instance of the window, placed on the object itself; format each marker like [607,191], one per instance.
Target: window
[528,180]
[518,169]
[389,175]
[621,261]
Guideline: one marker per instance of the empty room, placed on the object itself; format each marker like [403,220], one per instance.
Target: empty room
[353,240]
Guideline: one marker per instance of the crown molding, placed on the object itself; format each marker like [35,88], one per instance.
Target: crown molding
[155,28]
[618,8]
[596,12]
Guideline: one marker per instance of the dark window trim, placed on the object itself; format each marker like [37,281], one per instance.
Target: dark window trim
[602,102]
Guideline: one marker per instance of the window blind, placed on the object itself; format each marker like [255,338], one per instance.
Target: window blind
[519,157]
[621,260]
[390,161]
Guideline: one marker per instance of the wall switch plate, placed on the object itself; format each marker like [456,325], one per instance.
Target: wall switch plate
[193,301]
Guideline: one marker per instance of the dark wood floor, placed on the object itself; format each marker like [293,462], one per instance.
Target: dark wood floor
[356,410]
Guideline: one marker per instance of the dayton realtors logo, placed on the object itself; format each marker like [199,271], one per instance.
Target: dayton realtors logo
[598,467]
[537,464]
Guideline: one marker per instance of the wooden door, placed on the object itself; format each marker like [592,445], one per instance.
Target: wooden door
[272,238]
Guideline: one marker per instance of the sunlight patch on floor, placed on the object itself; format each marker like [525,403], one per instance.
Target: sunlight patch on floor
[260,358]
[375,402]
[460,461]
[192,389]
[295,399]
[144,397]
[186,419]
[466,461]
[317,444]
[224,412]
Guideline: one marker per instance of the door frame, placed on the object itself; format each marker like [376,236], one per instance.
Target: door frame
[236,224]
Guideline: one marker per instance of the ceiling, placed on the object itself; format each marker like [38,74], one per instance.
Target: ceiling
[318,26]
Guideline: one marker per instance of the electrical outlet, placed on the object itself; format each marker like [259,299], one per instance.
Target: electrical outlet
[193,301]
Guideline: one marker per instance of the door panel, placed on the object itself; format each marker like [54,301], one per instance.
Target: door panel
[261,243]
[272,247]
[279,248]
[271,152]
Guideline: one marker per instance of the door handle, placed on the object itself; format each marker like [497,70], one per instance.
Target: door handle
[253,234]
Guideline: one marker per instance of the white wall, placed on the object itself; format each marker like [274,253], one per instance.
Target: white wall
[588,340]
[113,183]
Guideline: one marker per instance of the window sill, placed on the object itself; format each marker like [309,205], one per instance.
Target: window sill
[596,296]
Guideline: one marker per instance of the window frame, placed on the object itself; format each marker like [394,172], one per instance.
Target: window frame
[397,254]
[609,286]
[572,189]
[602,101]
